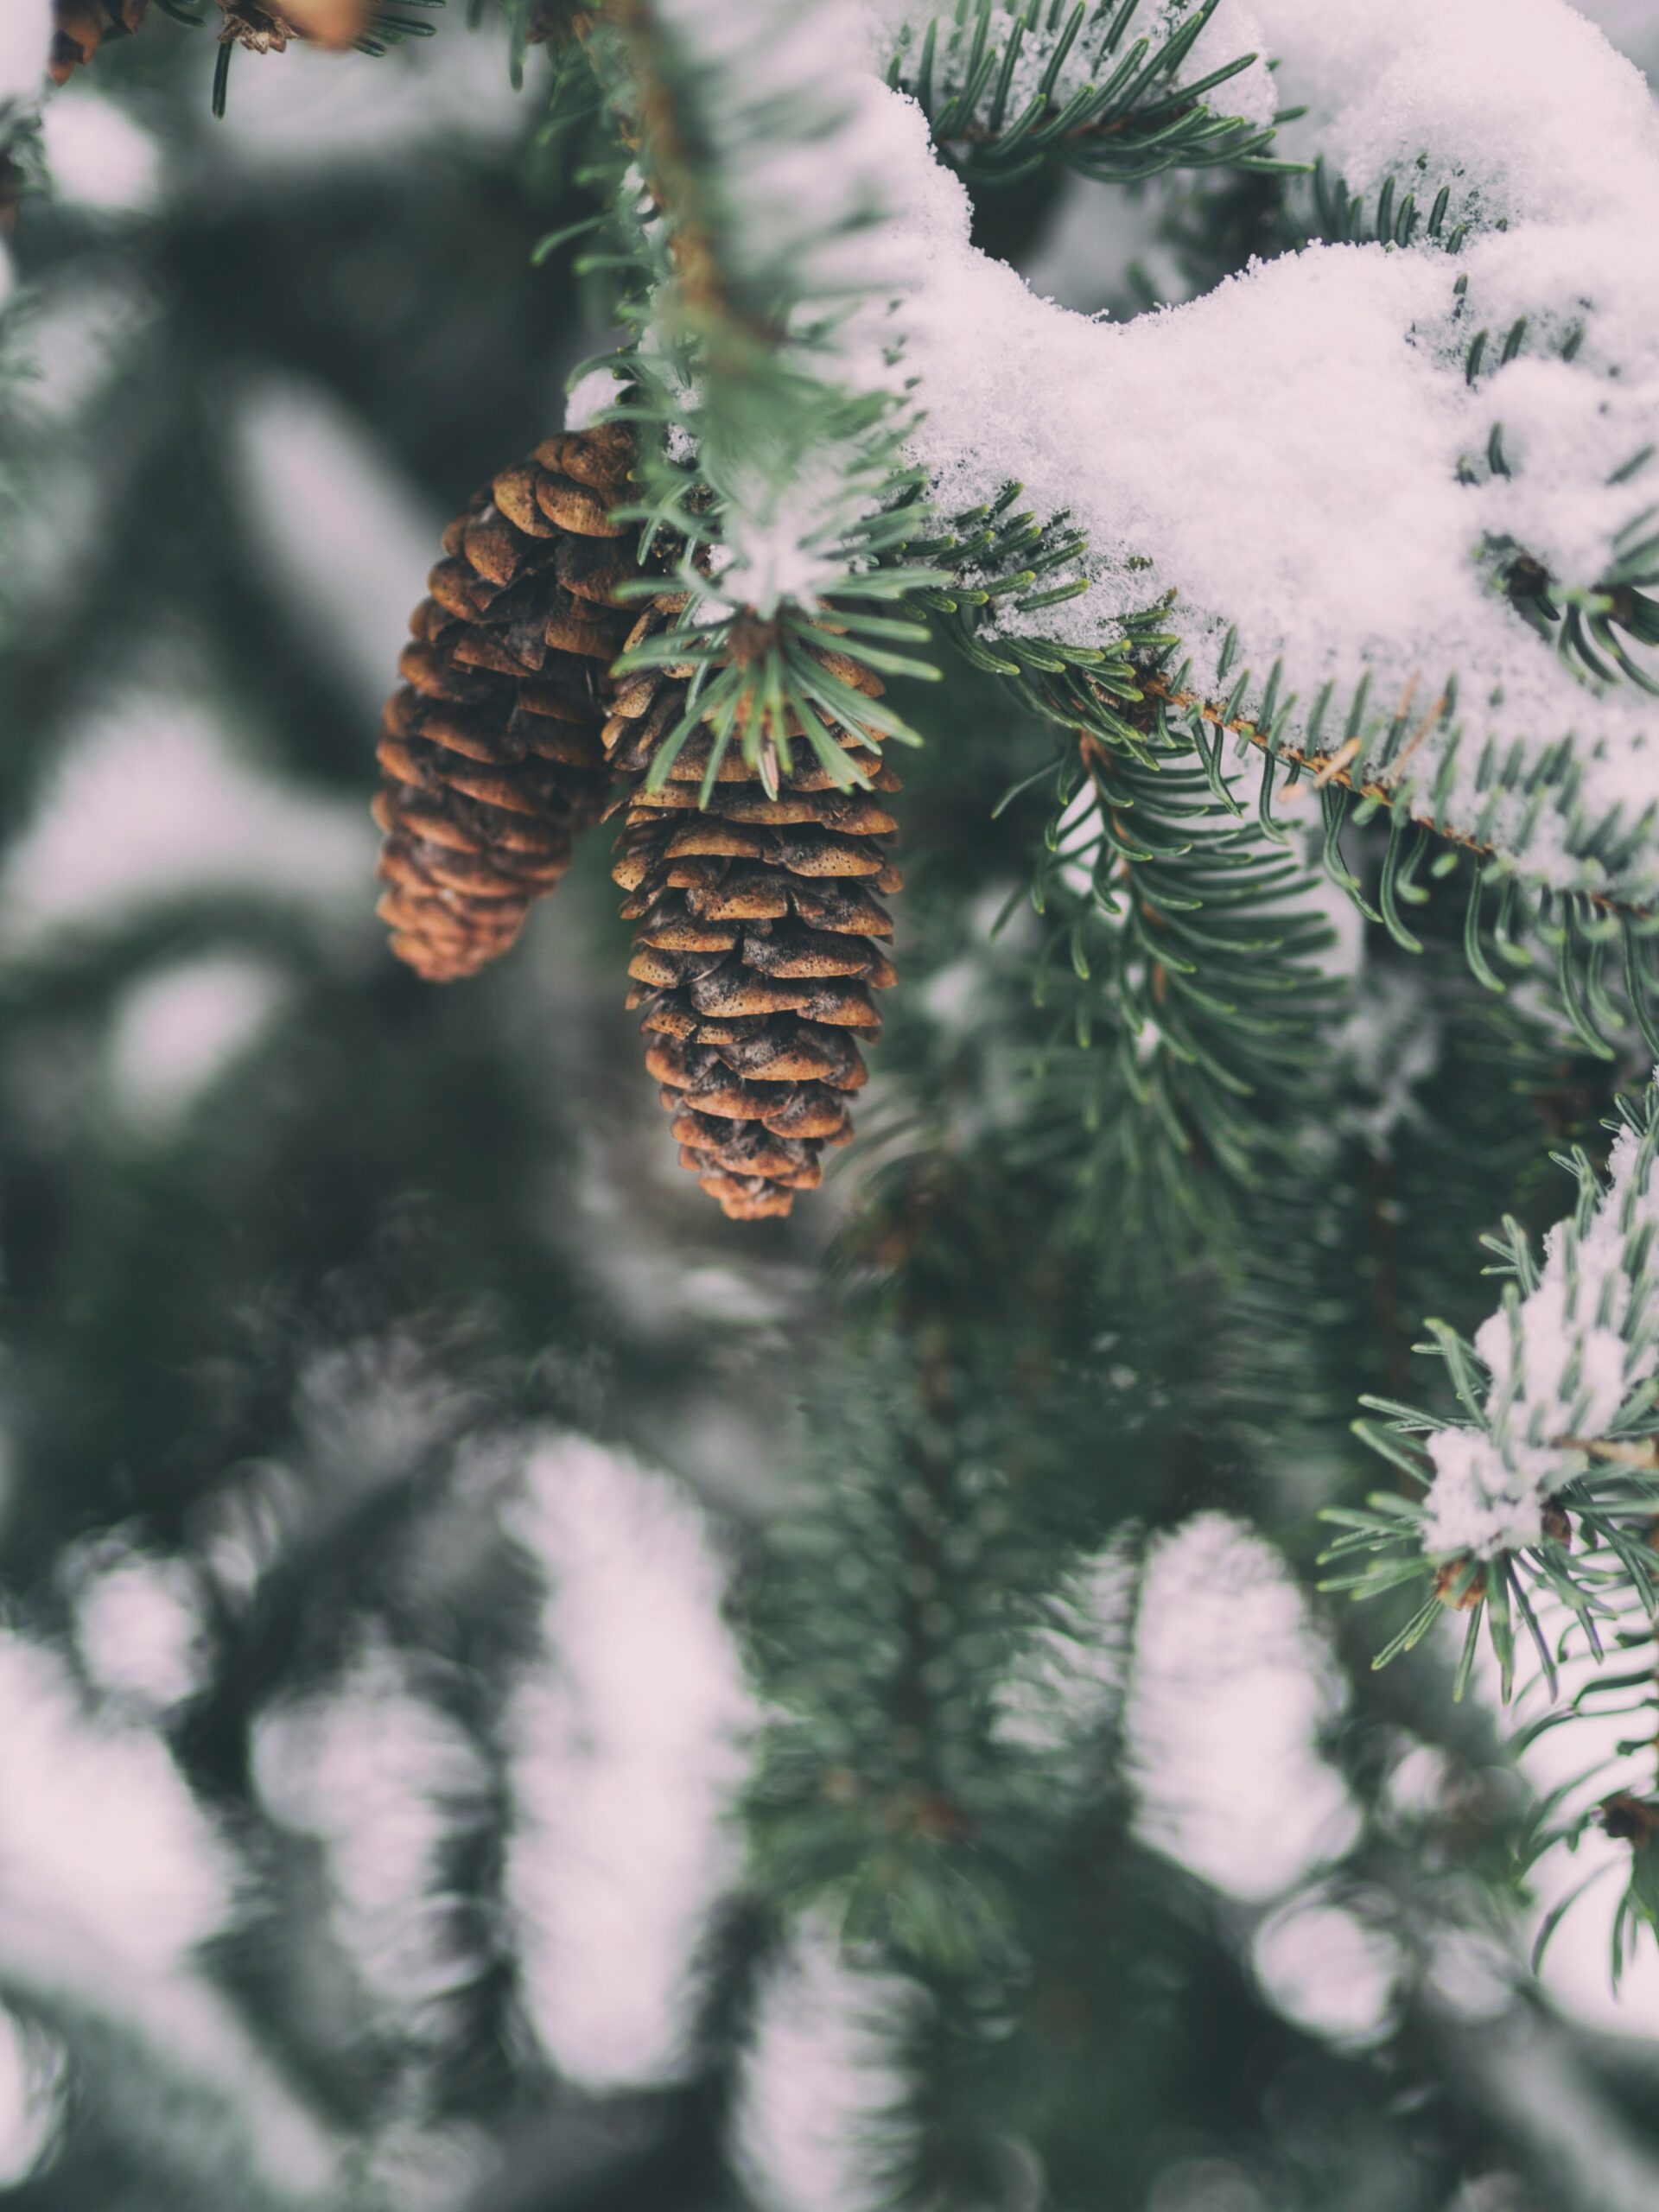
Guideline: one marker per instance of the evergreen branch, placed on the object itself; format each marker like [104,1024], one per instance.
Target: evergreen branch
[1175,937]
[882,1784]
[1212,1046]
[915,1623]
[1542,785]
[1109,689]
[1574,930]
[1180,934]
[772,486]
[1069,84]
[1346,217]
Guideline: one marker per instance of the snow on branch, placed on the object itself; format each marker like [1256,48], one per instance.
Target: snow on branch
[1401,491]
[1541,1506]
[1543,1491]
[1572,1354]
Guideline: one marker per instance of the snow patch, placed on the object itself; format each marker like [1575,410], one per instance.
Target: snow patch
[150,803]
[175,1032]
[25,34]
[627,1750]
[99,155]
[1231,1689]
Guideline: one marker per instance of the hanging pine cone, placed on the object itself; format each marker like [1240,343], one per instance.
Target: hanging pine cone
[490,744]
[80,27]
[759,941]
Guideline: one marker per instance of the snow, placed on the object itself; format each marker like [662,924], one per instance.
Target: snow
[1563,1361]
[176,1032]
[1232,1691]
[1223,448]
[1632,26]
[1521,103]
[112,1877]
[1324,1966]
[588,397]
[338,520]
[33,2099]
[139,1625]
[800,140]
[1069,1679]
[100,157]
[626,1745]
[100,1839]
[820,2098]
[151,801]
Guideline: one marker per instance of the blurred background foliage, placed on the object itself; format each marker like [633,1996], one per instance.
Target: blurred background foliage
[516,1693]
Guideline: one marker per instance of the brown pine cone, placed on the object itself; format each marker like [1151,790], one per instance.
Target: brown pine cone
[758,943]
[80,27]
[491,745]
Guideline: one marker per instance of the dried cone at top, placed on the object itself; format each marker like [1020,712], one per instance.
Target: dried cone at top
[266,25]
[491,745]
[761,939]
[80,27]
[334,24]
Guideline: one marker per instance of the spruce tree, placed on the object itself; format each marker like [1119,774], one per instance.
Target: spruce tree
[1087,579]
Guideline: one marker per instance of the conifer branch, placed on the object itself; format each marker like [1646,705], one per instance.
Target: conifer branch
[1574,931]
[1182,933]
[1538,1500]
[1077,86]
[776,488]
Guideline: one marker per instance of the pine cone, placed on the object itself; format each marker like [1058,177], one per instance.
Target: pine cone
[80,27]
[491,745]
[759,941]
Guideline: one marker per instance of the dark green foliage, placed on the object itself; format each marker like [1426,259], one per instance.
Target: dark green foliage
[1180,937]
